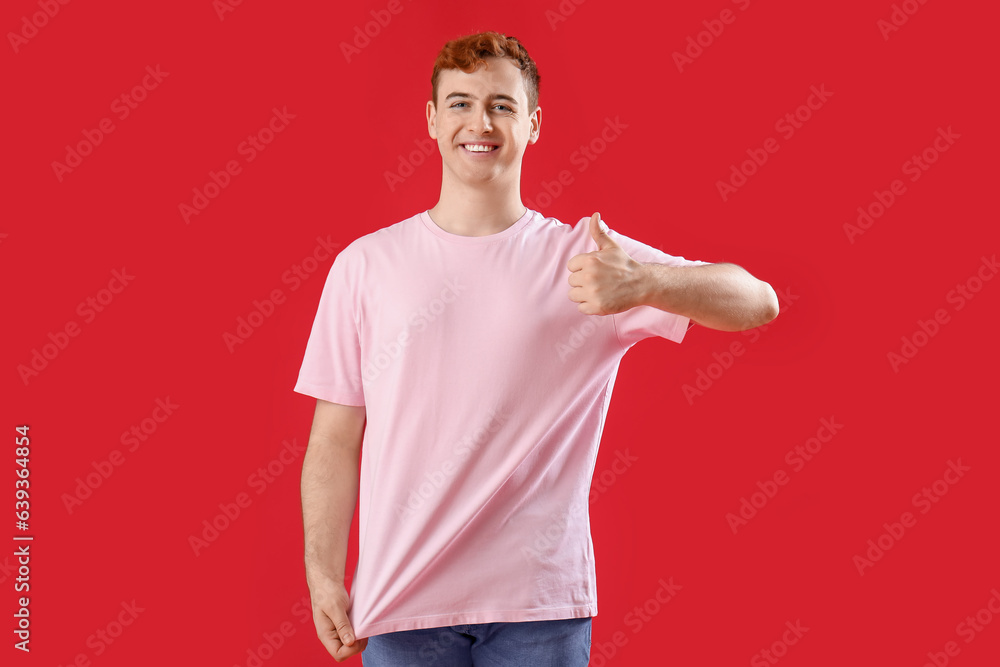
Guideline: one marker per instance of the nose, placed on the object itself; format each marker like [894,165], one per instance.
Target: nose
[479,123]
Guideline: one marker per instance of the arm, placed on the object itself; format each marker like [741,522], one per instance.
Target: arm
[719,296]
[329,495]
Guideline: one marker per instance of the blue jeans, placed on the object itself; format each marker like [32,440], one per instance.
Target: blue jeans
[558,643]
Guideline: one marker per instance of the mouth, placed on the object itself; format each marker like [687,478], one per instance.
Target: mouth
[480,149]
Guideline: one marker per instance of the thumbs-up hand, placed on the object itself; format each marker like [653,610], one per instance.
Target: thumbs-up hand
[607,280]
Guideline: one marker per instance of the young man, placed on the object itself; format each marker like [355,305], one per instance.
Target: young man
[473,348]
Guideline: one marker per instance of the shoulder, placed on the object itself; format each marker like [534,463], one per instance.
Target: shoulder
[380,242]
[554,227]
[567,238]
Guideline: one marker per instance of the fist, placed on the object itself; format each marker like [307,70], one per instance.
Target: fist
[607,280]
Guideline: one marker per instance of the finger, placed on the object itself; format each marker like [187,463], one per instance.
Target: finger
[598,231]
[342,626]
[575,263]
[327,633]
[346,652]
[580,261]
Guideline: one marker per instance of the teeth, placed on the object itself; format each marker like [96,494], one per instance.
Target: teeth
[479,149]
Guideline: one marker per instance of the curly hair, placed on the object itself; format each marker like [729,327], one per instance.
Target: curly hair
[469,52]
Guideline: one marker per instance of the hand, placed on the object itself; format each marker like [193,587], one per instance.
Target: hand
[330,601]
[607,280]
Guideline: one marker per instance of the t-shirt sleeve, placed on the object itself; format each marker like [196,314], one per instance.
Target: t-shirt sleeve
[646,321]
[331,366]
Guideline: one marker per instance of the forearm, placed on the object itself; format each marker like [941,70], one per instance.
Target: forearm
[329,496]
[719,296]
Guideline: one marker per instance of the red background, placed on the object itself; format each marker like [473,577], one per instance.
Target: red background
[826,356]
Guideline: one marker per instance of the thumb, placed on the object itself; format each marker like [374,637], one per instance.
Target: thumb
[597,230]
[343,626]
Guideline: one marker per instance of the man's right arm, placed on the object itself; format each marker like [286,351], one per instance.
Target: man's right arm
[329,496]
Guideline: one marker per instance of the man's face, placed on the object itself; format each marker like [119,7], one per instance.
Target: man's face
[487,109]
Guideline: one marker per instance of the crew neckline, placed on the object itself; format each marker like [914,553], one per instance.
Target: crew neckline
[519,224]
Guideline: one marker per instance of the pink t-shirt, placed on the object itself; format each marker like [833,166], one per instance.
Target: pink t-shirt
[486,391]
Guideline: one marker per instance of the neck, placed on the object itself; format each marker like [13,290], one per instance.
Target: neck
[477,209]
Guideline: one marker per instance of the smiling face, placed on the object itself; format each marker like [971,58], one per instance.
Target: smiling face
[482,124]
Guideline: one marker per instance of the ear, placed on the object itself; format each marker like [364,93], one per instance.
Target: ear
[536,124]
[431,119]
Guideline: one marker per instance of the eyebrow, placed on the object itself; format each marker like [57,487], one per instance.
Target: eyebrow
[496,96]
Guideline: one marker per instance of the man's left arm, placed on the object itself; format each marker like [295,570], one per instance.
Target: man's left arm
[719,296]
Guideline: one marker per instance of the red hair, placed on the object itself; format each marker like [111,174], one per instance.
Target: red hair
[469,52]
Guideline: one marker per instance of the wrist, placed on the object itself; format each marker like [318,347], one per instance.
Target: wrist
[317,569]
[645,285]
[662,287]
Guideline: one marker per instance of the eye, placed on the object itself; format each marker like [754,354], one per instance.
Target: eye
[501,106]
[456,104]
